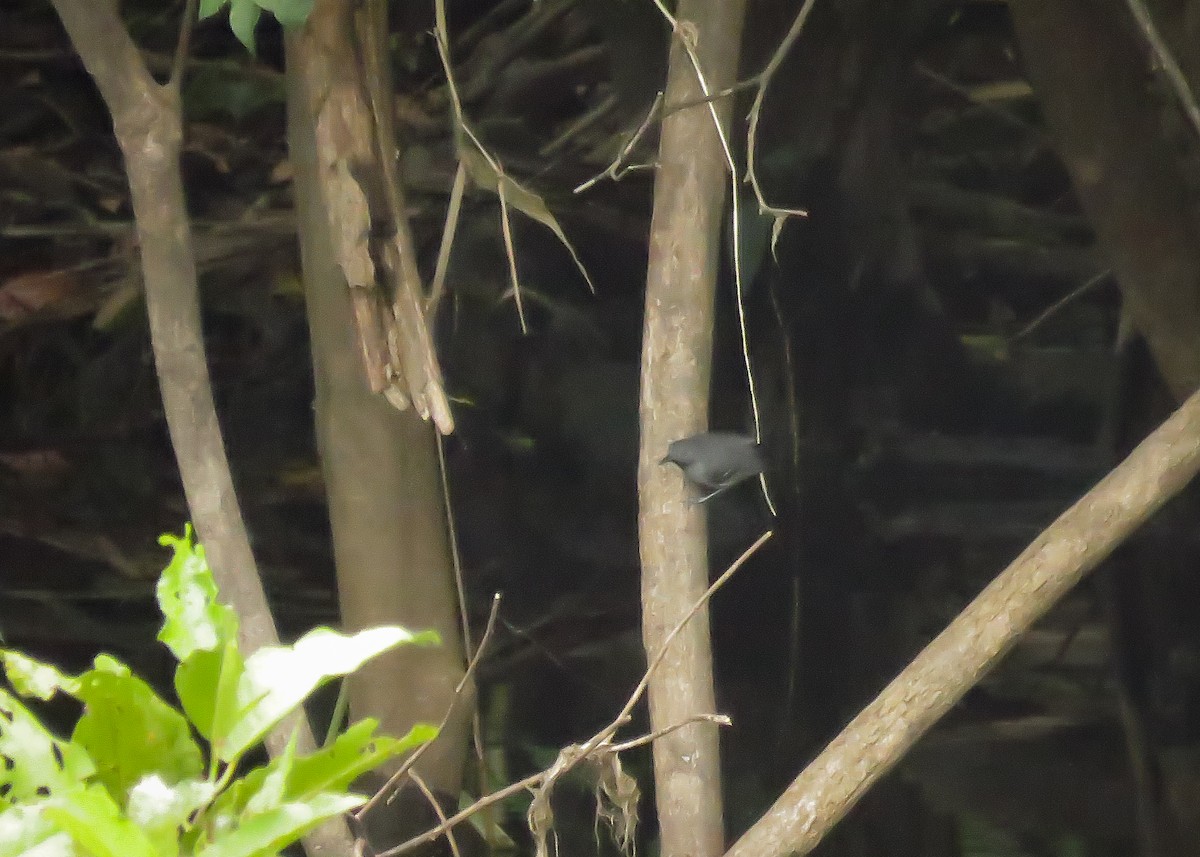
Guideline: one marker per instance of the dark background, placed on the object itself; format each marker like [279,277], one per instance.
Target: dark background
[936,348]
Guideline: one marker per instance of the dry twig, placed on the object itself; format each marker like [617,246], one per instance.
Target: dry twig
[601,742]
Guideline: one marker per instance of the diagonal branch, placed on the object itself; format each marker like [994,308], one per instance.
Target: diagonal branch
[937,679]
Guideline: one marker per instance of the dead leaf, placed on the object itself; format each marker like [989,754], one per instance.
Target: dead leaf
[39,292]
[519,197]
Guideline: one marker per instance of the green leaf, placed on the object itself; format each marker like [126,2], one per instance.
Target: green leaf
[330,769]
[290,13]
[208,8]
[36,764]
[59,845]
[279,678]
[94,820]
[196,681]
[187,596]
[130,732]
[160,809]
[31,677]
[26,832]
[352,754]
[272,831]
[272,794]
[243,18]
[207,685]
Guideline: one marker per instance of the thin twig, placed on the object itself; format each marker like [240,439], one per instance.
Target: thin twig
[732,89]
[651,737]
[614,170]
[456,557]
[764,81]
[958,89]
[460,587]
[184,46]
[438,287]
[438,811]
[510,252]
[658,113]
[462,815]
[1166,59]
[388,788]
[1055,307]
[702,80]
[442,38]
[638,691]
[477,732]
[572,756]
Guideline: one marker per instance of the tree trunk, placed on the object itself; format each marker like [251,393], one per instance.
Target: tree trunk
[148,123]
[676,362]
[380,464]
[1090,76]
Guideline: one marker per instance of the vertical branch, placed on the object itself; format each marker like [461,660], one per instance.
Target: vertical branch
[148,123]
[676,363]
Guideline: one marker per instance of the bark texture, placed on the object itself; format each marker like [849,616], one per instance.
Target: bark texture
[147,120]
[380,465]
[676,362]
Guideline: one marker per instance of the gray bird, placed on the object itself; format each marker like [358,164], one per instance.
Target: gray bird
[715,461]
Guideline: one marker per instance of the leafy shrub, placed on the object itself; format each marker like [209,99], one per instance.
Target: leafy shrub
[244,14]
[133,781]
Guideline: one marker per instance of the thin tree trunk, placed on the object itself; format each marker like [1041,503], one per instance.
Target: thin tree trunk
[148,125]
[676,362]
